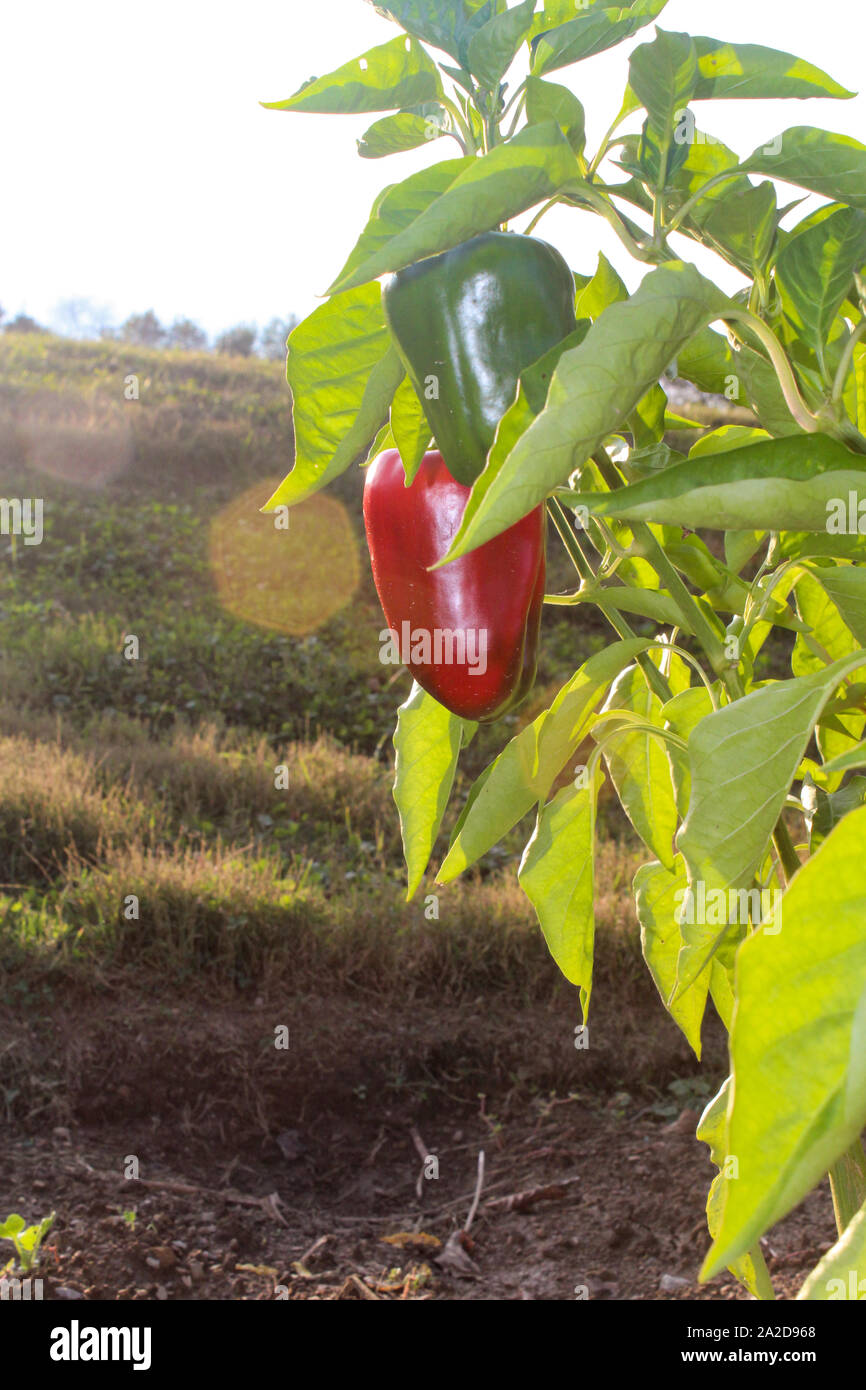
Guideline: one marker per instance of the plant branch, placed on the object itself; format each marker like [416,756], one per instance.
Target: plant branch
[621,627]
[847,358]
[693,614]
[692,202]
[782,367]
[466,139]
[585,193]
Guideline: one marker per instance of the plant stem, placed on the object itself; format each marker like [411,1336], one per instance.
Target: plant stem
[680,217]
[621,627]
[586,193]
[551,203]
[605,143]
[848,1185]
[788,855]
[847,358]
[467,139]
[782,367]
[691,610]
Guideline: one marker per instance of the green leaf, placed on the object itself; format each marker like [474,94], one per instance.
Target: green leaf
[845,762]
[822,610]
[798,1044]
[707,362]
[427,744]
[533,166]
[826,809]
[742,760]
[639,768]
[398,206]
[405,131]
[605,288]
[841,1274]
[594,390]
[751,1272]
[591,33]
[748,70]
[525,770]
[410,428]
[725,440]
[440,22]
[663,75]
[548,101]
[780,484]
[531,396]
[658,895]
[826,163]
[815,271]
[557,874]
[846,586]
[740,225]
[343,371]
[493,47]
[397,73]
[384,440]
[11,1226]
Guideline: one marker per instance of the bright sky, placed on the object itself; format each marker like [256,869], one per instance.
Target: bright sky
[140,171]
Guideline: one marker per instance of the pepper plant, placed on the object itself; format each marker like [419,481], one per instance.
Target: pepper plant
[748,793]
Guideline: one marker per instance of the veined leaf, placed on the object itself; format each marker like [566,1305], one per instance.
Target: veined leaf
[663,75]
[557,874]
[750,1269]
[492,48]
[443,23]
[781,484]
[846,586]
[548,101]
[748,70]
[639,768]
[797,1045]
[533,166]
[525,770]
[427,742]
[743,759]
[827,614]
[343,371]
[656,891]
[397,73]
[826,163]
[592,32]
[605,288]
[707,362]
[815,271]
[594,390]
[407,130]
[410,428]
[399,205]
[846,762]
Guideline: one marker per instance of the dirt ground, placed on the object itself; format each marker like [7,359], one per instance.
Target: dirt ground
[298,1173]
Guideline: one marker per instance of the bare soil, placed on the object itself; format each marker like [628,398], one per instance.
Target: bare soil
[298,1173]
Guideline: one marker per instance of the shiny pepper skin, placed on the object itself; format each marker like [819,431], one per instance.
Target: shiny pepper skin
[468,632]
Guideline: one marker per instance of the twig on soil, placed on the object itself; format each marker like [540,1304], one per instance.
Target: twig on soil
[316,1245]
[477,1198]
[423,1153]
[523,1201]
[269,1205]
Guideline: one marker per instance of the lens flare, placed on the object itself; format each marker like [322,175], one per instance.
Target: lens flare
[290,573]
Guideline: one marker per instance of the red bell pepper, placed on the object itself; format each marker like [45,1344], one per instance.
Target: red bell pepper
[468,632]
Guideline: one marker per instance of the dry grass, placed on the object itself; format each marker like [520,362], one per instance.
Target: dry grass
[53,806]
[238,881]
